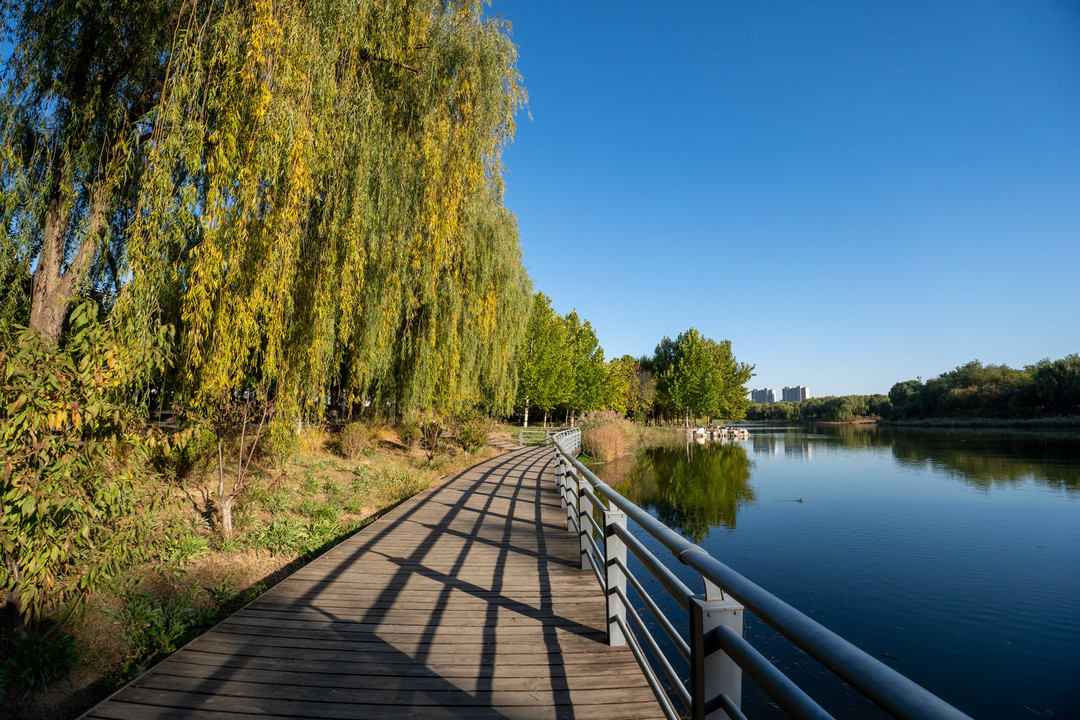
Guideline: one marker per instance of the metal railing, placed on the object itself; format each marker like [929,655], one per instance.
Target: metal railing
[713,646]
[543,436]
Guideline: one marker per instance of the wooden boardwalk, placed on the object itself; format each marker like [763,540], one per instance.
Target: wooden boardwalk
[464,602]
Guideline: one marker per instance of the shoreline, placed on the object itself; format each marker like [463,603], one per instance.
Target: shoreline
[1049,423]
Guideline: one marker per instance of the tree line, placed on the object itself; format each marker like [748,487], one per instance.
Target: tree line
[1047,388]
[973,390]
[831,408]
[562,372]
[309,193]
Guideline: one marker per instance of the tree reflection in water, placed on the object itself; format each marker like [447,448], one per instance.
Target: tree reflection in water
[983,458]
[691,488]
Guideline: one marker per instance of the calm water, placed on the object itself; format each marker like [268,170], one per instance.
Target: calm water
[953,556]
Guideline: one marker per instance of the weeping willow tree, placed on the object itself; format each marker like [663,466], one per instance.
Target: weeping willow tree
[324,187]
[309,191]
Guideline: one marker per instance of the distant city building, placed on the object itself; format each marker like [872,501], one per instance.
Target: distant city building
[795,394]
[766,395]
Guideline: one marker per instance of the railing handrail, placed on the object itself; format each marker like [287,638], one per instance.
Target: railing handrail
[540,435]
[889,689]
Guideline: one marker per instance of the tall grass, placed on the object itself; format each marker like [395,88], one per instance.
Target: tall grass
[607,435]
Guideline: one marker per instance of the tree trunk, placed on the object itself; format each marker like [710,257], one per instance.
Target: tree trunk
[52,289]
[226,516]
[526,411]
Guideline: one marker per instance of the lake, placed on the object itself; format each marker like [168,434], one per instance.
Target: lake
[951,555]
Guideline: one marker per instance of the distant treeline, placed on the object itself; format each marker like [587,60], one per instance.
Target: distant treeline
[1046,389]
[974,390]
[831,408]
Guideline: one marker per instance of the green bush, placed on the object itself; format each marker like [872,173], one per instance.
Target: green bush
[71,449]
[276,502]
[320,532]
[310,485]
[471,431]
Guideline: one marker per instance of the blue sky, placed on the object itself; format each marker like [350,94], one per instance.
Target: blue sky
[853,193]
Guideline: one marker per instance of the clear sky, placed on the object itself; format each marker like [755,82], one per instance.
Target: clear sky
[854,193]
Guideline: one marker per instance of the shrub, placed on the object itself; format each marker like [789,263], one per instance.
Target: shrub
[362,481]
[276,502]
[353,441]
[310,485]
[606,435]
[331,489]
[183,545]
[316,510]
[471,431]
[71,450]
[320,532]
[410,433]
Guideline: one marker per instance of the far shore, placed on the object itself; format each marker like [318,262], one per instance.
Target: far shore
[1066,421]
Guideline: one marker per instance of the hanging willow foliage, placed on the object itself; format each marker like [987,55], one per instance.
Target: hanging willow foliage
[321,205]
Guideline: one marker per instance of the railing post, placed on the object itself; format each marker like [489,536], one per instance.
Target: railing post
[585,508]
[614,553]
[571,485]
[521,437]
[712,672]
[560,478]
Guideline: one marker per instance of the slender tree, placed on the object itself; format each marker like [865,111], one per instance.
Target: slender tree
[590,378]
[545,367]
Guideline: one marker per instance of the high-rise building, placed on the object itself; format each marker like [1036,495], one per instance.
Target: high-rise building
[765,395]
[795,394]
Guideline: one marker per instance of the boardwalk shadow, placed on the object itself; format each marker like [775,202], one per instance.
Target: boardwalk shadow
[462,603]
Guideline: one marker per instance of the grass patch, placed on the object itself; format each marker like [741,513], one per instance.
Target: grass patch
[186,582]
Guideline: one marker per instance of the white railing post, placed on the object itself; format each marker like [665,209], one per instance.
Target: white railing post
[585,508]
[614,553]
[712,672]
[521,437]
[560,478]
[571,486]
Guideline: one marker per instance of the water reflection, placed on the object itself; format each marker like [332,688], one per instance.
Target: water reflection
[690,488]
[765,444]
[986,459]
[798,448]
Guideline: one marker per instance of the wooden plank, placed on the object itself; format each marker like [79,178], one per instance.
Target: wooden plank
[440,658]
[437,691]
[464,602]
[373,670]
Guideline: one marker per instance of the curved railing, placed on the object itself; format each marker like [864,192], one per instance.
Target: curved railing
[543,436]
[713,645]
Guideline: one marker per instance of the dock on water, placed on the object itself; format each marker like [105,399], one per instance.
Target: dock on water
[466,601]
